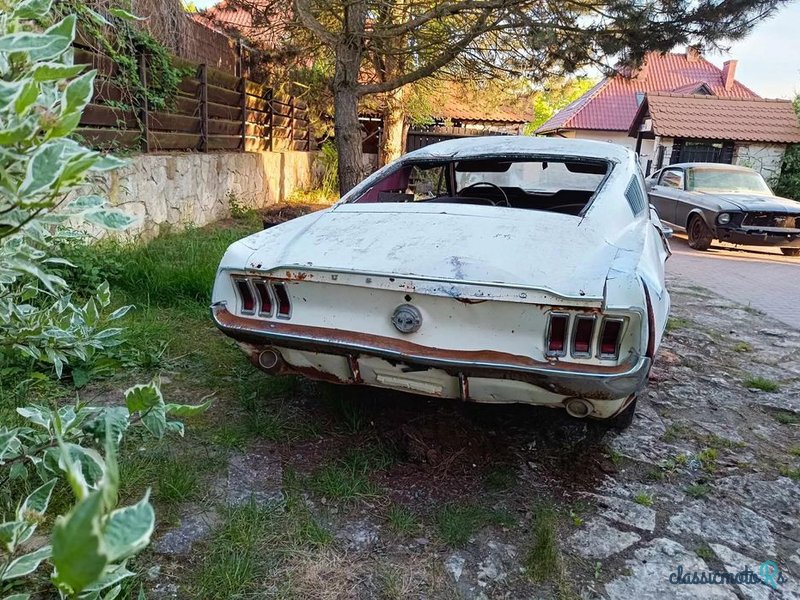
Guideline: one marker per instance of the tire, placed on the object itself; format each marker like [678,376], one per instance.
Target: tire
[791,251]
[624,419]
[700,236]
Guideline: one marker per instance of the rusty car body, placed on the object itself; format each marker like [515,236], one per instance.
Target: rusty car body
[492,269]
[729,203]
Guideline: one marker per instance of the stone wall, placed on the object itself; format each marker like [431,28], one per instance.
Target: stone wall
[175,190]
[765,158]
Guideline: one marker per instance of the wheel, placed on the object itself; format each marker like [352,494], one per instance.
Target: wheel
[700,236]
[624,419]
[791,251]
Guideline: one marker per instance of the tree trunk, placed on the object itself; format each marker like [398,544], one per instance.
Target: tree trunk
[347,128]
[347,131]
[393,143]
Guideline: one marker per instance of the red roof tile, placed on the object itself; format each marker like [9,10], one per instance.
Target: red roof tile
[612,103]
[710,117]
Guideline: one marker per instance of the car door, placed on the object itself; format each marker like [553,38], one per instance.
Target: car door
[665,193]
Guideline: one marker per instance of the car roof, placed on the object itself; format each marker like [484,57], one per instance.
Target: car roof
[712,165]
[488,145]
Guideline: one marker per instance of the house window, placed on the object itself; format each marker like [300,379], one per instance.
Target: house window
[684,150]
[639,98]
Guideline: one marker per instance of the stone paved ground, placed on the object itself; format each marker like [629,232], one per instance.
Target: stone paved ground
[705,479]
[758,277]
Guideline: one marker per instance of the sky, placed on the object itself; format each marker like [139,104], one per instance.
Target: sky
[769,58]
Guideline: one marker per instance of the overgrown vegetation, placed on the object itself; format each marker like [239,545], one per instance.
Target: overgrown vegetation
[788,181]
[761,383]
[59,459]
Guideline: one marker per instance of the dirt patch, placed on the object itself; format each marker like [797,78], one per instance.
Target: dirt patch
[286,211]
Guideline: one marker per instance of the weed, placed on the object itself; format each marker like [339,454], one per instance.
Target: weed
[500,478]
[705,552]
[674,323]
[708,459]
[643,498]
[401,520]
[698,490]
[615,456]
[655,475]
[457,523]
[742,347]
[795,451]
[349,412]
[790,472]
[761,383]
[716,441]
[675,431]
[348,478]
[787,418]
[543,560]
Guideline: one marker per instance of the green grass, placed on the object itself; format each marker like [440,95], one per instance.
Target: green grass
[795,451]
[350,477]
[761,383]
[643,498]
[676,431]
[402,520]
[698,490]
[675,323]
[787,418]
[543,559]
[457,523]
[790,472]
[705,552]
[742,347]
[708,459]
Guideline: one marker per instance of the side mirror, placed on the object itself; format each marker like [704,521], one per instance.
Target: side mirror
[666,231]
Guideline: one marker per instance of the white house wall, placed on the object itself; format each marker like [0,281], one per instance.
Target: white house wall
[766,158]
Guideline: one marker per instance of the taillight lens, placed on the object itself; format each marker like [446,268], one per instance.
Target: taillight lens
[610,338]
[557,334]
[582,340]
[264,298]
[245,296]
[284,306]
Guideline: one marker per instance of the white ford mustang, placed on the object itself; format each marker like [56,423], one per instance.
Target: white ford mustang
[490,269]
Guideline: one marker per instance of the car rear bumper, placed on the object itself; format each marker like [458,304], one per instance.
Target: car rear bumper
[760,237]
[481,376]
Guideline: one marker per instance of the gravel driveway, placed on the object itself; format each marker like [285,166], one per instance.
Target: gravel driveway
[761,278]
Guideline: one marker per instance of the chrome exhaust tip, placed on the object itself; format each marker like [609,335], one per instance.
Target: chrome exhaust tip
[578,407]
[269,359]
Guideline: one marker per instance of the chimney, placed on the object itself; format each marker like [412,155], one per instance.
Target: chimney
[692,53]
[729,73]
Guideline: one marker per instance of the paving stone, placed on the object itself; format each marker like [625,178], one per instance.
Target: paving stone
[195,525]
[255,476]
[358,535]
[649,575]
[626,512]
[597,539]
[777,499]
[736,563]
[455,566]
[725,522]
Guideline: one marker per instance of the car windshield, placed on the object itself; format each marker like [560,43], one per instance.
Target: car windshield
[557,185]
[726,180]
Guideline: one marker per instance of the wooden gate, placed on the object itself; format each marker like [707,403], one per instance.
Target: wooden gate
[425,137]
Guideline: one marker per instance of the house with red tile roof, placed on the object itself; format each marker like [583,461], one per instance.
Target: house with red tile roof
[606,111]
[704,128]
[679,107]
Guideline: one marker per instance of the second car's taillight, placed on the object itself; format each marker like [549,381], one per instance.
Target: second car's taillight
[610,334]
[556,342]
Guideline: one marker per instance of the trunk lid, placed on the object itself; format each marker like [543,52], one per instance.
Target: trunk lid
[538,250]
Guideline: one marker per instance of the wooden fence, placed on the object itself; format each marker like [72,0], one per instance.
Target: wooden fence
[214,110]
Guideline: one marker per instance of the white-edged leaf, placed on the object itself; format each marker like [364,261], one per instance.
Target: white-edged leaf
[86,202]
[188,410]
[36,415]
[27,563]
[78,93]
[109,218]
[32,9]
[127,530]
[176,427]
[112,576]
[143,396]
[155,420]
[37,501]
[18,597]
[55,71]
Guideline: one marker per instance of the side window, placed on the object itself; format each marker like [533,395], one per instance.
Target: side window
[672,178]
[428,183]
[635,196]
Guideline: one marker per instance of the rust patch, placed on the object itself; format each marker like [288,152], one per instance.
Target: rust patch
[298,275]
[470,300]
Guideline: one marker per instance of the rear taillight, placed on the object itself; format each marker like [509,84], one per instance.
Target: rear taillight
[264,299]
[582,336]
[284,306]
[557,334]
[248,302]
[610,334]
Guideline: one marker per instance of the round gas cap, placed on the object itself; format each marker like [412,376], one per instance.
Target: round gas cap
[407,318]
